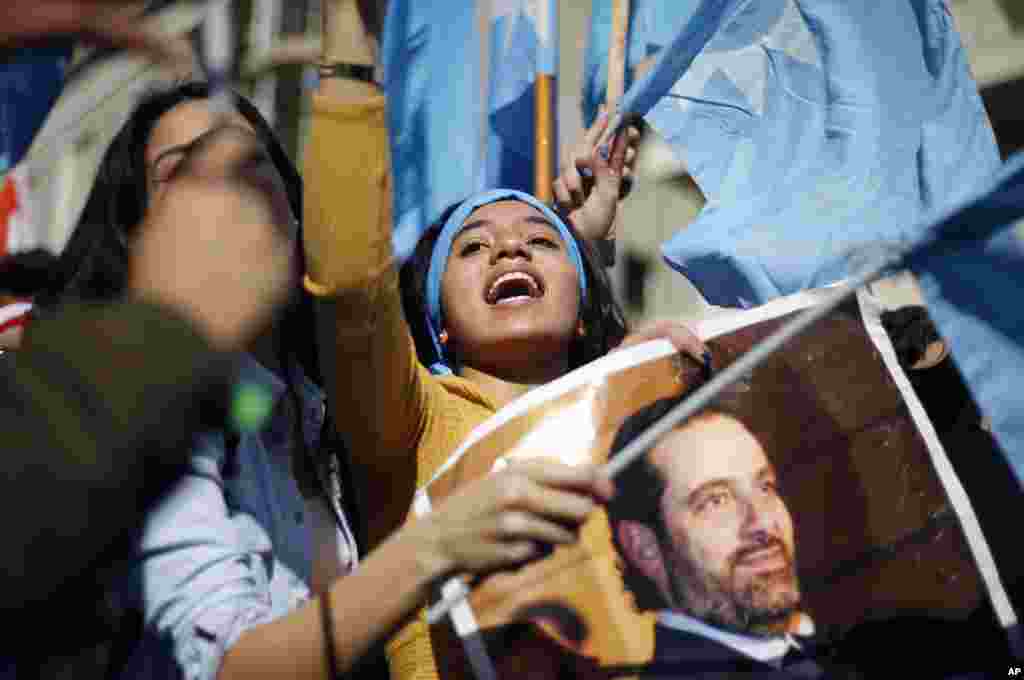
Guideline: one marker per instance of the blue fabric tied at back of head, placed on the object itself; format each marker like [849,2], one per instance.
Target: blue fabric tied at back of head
[451,229]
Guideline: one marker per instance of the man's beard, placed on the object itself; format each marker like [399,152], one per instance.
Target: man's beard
[761,605]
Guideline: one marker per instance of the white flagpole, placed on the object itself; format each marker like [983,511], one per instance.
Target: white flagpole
[219,33]
[266,24]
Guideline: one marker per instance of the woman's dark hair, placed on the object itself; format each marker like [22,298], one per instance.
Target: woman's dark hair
[600,313]
[94,265]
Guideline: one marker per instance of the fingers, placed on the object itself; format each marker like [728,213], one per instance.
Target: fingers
[576,178]
[117,25]
[623,158]
[620,147]
[569,187]
[604,486]
[511,517]
[552,473]
[610,166]
[562,196]
[632,142]
[574,181]
[520,492]
[679,334]
[523,525]
[545,502]
[592,136]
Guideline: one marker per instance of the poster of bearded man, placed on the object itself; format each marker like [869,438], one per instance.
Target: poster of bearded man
[809,515]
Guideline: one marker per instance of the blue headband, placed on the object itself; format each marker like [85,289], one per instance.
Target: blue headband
[443,246]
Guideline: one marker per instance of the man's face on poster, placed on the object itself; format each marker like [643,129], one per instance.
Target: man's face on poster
[727,549]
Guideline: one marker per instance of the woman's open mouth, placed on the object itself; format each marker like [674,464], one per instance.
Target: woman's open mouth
[514,288]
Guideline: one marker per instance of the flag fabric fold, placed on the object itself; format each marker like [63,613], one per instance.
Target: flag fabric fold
[971,269]
[823,132]
[815,129]
[432,79]
[652,25]
[459,77]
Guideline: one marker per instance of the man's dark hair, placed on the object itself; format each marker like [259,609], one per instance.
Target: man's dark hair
[600,313]
[640,486]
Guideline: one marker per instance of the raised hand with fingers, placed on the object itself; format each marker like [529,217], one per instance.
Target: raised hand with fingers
[103,23]
[508,517]
[593,179]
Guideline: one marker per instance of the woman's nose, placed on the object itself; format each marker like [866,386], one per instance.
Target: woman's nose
[509,246]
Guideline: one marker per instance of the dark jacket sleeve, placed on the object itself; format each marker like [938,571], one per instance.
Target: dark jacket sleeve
[97,414]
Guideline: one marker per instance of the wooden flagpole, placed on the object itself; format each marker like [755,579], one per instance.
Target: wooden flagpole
[617,55]
[545,87]
[616,85]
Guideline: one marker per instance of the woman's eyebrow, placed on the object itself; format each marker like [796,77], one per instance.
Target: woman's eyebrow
[187,146]
[531,219]
[475,224]
[537,219]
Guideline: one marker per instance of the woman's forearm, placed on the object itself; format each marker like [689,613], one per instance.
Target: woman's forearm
[366,606]
[495,522]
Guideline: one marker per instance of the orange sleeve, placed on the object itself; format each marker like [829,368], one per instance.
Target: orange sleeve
[380,397]
[399,422]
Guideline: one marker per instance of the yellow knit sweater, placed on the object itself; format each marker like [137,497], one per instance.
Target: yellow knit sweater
[400,422]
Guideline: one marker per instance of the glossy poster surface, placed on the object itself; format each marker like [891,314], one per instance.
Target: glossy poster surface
[827,430]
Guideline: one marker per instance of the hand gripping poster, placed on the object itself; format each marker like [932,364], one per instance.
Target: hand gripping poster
[813,505]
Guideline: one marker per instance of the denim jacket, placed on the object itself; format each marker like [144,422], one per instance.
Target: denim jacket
[232,545]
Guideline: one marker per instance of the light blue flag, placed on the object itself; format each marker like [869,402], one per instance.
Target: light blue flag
[523,43]
[652,25]
[820,130]
[431,55]
[461,101]
[972,274]
[815,129]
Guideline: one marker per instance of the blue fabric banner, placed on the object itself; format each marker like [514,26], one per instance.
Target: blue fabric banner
[461,101]
[30,83]
[652,25]
[824,131]
[971,269]
[815,129]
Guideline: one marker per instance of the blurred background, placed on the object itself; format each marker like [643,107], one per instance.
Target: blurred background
[62,162]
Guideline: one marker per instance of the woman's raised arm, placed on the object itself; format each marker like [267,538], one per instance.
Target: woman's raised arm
[383,402]
[499,521]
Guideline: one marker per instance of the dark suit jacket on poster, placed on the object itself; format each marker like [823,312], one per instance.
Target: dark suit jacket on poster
[685,655]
